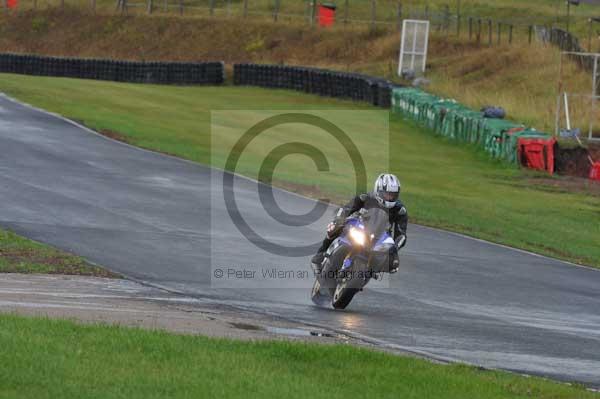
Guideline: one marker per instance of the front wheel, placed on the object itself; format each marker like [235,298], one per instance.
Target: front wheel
[343,296]
[344,292]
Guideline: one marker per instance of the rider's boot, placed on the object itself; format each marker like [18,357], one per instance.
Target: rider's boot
[318,258]
[394,262]
[395,265]
[317,262]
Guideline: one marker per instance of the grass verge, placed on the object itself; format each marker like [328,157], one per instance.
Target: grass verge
[20,255]
[447,185]
[60,359]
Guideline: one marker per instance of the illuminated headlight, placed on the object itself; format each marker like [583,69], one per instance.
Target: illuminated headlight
[358,236]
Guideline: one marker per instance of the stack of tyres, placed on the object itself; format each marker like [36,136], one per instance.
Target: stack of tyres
[498,137]
[273,76]
[121,71]
[322,82]
[307,78]
[326,85]
[220,72]
[238,74]
[89,68]
[6,62]
[179,75]
[261,76]
[252,74]
[172,73]
[384,93]
[276,77]
[264,75]
[246,72]
[111,72]
[334,86]
[258,78]
[163,73]
[26,64]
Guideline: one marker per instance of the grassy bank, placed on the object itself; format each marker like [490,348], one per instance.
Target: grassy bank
[20,255]
[360,12]
[59,359]
[519,77]
[446,184]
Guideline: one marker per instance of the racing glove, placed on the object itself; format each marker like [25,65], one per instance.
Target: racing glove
[334,227]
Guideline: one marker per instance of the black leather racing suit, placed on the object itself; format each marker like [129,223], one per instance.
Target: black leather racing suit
[398,217]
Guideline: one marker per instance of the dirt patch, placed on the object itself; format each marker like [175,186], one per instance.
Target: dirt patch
[594,150]
[572,161]
[311,191]
[114,135]
[53,262]
[565,184]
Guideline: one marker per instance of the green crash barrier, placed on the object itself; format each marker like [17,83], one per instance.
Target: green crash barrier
[499,137]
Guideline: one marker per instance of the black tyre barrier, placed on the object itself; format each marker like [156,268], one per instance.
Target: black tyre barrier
[180,73]
[354,86]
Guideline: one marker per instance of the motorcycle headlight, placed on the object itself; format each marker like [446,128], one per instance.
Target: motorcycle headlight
[358,236]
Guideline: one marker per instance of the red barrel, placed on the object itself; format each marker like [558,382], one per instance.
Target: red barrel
[326,14]
[12,4]
[595,171]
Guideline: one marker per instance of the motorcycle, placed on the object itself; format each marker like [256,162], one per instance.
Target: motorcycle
[364,250]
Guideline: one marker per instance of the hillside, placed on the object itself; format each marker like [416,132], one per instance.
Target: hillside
[520,77]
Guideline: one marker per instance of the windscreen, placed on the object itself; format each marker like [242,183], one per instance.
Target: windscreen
[376,221]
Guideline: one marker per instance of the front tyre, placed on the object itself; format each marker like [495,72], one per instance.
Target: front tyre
[343,294]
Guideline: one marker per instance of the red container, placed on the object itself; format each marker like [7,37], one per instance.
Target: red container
[595,171]
[326,15]
[536,153]
[12,4]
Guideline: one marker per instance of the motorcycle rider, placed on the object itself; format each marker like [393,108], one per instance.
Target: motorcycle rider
[386,196]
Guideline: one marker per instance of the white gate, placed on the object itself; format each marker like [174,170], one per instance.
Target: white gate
[413,48]
[580,107]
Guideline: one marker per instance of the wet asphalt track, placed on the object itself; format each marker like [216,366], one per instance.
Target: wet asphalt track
[150,217]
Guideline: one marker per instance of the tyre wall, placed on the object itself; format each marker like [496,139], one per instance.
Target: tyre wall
[179,73]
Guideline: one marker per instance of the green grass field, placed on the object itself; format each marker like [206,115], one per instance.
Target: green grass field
[59,359]
[445,184]
[20,255]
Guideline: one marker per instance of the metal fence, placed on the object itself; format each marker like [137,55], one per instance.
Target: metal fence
[376,14]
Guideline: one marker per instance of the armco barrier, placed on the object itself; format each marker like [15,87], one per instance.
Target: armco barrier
[121,71]
[376,91]
[500,138]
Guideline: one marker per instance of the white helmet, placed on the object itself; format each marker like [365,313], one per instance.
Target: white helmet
[387,190]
